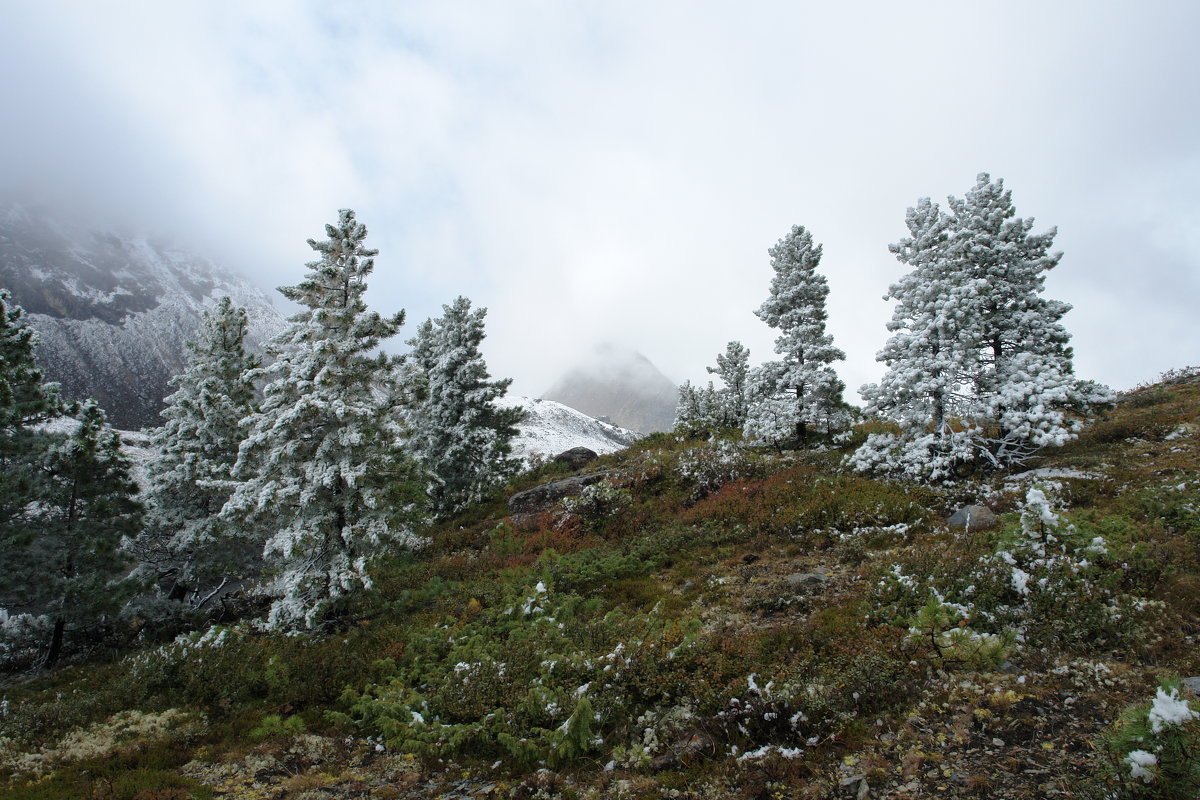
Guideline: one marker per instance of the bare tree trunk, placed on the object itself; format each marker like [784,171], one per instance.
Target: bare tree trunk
[801,425]
[56,643]
[997,360]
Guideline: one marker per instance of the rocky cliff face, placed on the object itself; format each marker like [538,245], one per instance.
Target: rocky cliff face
[114,312]
[622,386]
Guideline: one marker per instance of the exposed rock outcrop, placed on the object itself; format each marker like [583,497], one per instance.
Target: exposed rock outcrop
[576,457]
[542,498]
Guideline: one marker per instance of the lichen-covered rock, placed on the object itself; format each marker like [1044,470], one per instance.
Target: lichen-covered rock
[973,518]
[542,498]
[103,738]
[806,580]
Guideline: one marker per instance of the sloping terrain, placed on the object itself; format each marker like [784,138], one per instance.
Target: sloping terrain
[701,621]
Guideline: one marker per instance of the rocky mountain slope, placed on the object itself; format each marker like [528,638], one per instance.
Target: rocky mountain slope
[619,385]
[549,428]
[114,311]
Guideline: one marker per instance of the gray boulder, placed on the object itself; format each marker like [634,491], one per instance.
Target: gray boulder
[576,457]
[973,518]
[804,580]
[544,497]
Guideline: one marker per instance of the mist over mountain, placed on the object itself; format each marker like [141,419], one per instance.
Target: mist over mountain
[114,310]
[621,385]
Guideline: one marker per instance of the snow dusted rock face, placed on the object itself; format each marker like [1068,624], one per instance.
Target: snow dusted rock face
[550,428]
[114,312]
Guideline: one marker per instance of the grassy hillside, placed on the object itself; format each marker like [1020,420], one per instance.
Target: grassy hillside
[708,621]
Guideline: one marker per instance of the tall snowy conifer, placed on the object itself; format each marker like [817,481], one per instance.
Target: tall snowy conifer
[324,479]
[802,389]
[1023,373]
[25,402]
[190,476]
[927,389]
[456,430]
[978,363]
[69,567]
[733,368]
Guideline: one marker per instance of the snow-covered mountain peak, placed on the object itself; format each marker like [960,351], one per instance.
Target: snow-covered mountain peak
[550,428]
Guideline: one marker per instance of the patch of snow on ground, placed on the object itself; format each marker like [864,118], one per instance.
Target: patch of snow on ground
[1046,473]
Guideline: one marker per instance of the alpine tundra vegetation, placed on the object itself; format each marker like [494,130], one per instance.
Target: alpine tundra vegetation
[742,623]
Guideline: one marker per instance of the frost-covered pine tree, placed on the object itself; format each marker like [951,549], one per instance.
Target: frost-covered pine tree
[931,355]
[704,409]
[1023,373]
[733,368]
[801,390]
[324,479]
[69,567]
[25,403]
[456,430]
[978,362]
[698,409]
[197,447]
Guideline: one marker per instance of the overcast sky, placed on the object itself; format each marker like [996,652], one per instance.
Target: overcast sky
[615,171]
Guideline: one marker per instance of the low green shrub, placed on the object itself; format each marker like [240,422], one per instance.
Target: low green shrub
[597,503]
[538,679]
[1049,584]
[275,726]
[223,667]
[1153,750]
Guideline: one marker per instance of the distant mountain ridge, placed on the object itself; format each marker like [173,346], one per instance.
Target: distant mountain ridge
[622,386]
[113,312]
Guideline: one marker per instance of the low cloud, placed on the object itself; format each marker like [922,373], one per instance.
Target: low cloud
[617,173]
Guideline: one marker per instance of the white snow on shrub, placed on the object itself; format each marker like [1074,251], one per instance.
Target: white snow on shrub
[1139,761]
[1169,710]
